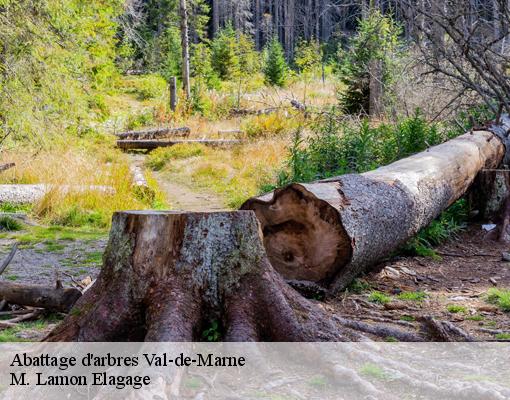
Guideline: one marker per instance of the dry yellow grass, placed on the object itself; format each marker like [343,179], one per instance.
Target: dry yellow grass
[234,174]
[81,164]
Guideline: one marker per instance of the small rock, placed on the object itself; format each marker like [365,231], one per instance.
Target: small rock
[488,227]
[505,256]
[493,281]
[458,298]
[475,280]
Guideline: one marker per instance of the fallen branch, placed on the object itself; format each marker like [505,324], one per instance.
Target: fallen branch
[158,133]
[9,258]
[39,296]
[154,144]
[4,167]
[31,193]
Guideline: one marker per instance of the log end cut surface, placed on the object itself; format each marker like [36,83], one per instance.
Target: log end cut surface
[303,235]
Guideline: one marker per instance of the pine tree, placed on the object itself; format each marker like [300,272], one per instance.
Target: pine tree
[275,70]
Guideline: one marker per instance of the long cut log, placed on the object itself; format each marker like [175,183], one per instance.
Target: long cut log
[31,193]
[54,299]
[154,144]
[330,231]
[157,133]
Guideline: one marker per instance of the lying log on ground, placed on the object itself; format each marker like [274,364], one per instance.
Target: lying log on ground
[157,133]
[332,230]
[154,144]
[49,298]
[168,275]
[5,167]
[31,193]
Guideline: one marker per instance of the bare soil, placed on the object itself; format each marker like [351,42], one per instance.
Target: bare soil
[469,266]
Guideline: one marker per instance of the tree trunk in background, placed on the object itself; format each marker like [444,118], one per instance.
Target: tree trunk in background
[215,17]
[185,48]
[332,230]
[376,99]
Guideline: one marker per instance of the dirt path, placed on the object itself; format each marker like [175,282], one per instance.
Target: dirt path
[180,196]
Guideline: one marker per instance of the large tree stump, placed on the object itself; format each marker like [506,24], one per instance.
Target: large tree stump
[167,275]
[332,230]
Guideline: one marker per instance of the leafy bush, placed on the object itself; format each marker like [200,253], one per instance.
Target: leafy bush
[275,69]
[146,87]
[159,157]
[338,148]
[144,118]
[267,125]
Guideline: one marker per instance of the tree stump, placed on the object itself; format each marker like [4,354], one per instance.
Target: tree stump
[168,275]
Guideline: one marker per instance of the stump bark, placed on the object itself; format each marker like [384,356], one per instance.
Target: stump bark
[332,230]
[168,275]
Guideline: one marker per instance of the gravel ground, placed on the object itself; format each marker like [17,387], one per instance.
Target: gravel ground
[40,262]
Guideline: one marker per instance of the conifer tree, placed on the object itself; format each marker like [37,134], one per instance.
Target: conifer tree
[275,69]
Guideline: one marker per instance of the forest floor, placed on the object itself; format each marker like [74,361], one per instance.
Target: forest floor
[453,287]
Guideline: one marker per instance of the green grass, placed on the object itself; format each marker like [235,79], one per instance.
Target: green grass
[10,224]
[318,381]
[379,298]
[503,336]
[476,317]
[10,334]
[158,158]
[455,309]
[51,246]
[408,318]
[12,277]
[374,371]
[15,208]
[499,297]
[412,296]
[94,258]
[38,234]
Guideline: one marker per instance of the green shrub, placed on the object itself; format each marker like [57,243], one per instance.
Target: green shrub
[337,148]
[455,309]
[412,296]
[10,224]
[500,297]
[379,297]
[267,125]
[159,157]
[146,87]
[377,40]
[450,223]
[143,119]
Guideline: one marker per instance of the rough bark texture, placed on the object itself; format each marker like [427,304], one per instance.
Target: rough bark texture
[54,299]
[332,230]
[490,190]
[158,133]
[154,144]
[167,275]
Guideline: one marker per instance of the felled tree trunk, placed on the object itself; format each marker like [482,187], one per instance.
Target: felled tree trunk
[53,299]
[332,230]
